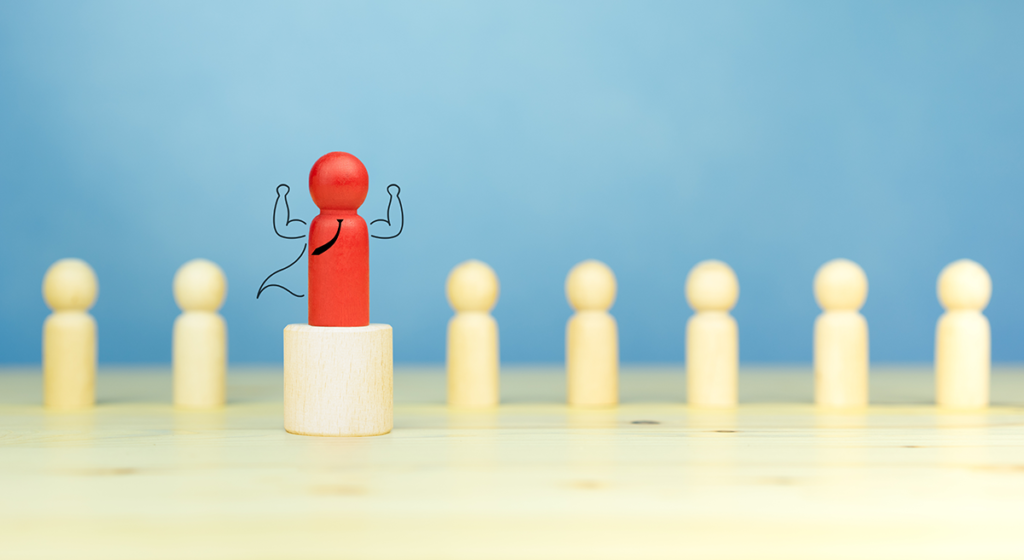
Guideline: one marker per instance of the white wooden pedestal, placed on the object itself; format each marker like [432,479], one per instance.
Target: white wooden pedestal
[338,380]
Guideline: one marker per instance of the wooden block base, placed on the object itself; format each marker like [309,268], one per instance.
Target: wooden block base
[338,380]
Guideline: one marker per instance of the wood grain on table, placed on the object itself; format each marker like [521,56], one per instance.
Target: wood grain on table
[135,478]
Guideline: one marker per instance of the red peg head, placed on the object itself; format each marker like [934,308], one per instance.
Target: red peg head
[338,181]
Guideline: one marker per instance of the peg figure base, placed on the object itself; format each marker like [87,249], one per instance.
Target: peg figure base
[338,380]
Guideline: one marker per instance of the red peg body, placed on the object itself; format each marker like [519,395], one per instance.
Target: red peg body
[339,253]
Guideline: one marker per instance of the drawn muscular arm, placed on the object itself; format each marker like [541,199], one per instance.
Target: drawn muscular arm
[282,220]
[385,228]
[283,217]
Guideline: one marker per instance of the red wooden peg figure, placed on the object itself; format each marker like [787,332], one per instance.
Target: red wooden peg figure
[339,250]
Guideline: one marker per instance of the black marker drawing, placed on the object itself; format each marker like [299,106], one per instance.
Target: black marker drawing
[284,218]
[387,219]
[320,250]
[264,285]
[287,212]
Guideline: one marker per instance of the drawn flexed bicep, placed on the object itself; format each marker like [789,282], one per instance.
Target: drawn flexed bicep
[390,226]
[283,216]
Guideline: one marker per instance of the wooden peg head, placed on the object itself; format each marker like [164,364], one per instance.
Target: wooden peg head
[70,285]
[712,286]
[590,286]
[199,285]
[338,181]
[841,285]
[964,285]
[472,286]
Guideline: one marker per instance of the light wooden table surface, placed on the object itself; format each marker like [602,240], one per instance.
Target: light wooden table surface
[135,479]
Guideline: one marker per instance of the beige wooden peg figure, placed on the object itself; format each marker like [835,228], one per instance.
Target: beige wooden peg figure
[591,337]
[69,336]
[472,337]
[199,355]
[841,336]
[963,337]
[712,336]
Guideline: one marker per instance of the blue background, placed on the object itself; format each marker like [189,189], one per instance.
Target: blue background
[772,135]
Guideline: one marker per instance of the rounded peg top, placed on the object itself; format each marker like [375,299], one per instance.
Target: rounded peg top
[338,181]
[70,285]
[841,285]
[590,286]
[472,286]
[712,286]
[964,286]
[199,285]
